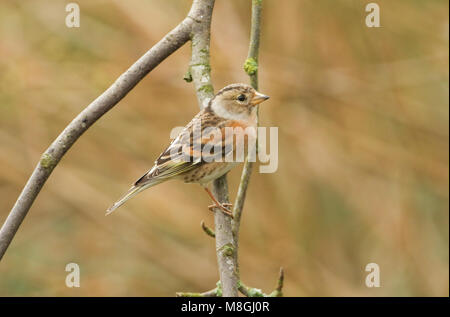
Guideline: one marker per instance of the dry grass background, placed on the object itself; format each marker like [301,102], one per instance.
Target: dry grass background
[363,149]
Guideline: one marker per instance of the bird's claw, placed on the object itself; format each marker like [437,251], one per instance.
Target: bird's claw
[223,208]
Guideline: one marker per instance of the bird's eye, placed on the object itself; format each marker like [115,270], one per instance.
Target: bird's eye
[241,98]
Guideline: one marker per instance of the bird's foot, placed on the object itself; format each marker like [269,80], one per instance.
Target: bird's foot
[223,208]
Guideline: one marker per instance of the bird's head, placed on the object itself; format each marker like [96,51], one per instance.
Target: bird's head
[236,101]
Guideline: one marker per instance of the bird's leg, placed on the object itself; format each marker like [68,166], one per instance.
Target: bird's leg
[223,206]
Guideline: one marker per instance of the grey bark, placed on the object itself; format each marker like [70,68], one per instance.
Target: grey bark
[200,71]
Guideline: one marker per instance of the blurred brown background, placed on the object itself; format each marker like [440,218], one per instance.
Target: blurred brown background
[363,149]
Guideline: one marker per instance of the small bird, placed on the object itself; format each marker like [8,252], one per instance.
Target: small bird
[187,157]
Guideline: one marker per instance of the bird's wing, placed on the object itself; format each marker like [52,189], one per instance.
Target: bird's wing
[187,151]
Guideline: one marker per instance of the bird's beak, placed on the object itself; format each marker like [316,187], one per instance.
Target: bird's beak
[258,98]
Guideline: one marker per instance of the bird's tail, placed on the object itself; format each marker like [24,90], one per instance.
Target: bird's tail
[133,191]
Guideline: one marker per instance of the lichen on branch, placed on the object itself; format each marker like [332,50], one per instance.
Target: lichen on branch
[251,66]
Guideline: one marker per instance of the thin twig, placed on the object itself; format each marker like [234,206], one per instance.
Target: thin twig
[251,67]
[251,64]
[256,292]
[215,292]
[243,289]
[208,230]
[211,293]
[250,291]
[278,292]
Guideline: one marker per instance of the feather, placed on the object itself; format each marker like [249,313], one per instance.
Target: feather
[133,191]
[156,175]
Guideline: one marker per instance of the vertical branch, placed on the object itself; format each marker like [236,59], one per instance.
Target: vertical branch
[251,68]
[225,245]
[200,68]
[251,64]
[200,72]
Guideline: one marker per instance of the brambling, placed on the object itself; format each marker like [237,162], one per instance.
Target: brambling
[189,157]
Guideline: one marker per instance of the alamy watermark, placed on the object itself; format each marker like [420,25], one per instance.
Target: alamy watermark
[73,278]
[228,144]
[373,18]
[373,278]
[73,18]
